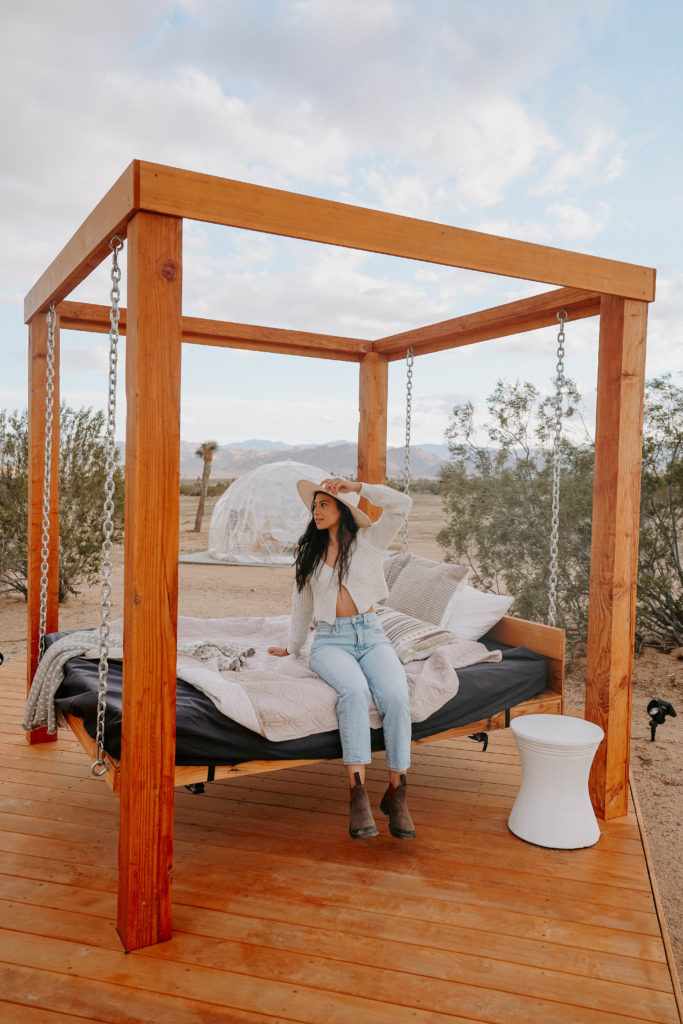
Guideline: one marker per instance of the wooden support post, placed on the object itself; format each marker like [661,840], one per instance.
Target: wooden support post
[151,578]
[372,426]
[614,547]
[37,381]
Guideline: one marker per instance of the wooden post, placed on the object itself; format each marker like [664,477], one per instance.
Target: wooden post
[151,578]
[37,381]
[372,426]
[373,392]
[614,546]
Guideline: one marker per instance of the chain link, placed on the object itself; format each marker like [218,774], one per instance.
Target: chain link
[557,459]
[47,476]
[406,456]
[100,766]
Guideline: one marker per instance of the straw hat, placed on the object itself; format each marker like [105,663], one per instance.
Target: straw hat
[307,490]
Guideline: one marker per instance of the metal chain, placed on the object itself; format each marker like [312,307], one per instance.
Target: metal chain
[406,456]
[47,476]
[100,766]
[557,458]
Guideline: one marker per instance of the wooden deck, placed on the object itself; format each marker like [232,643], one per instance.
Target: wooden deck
[279,916]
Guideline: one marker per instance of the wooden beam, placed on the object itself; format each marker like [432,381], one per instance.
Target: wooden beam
[372,427]
[153,353]
[222,201]
[614,546]
[273,339]
[498,322]
[37,387]
[84,316]
[88,246]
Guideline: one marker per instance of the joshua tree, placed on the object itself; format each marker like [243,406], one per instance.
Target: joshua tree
[206,451]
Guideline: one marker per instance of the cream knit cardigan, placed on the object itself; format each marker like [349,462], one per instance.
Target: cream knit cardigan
[365,577]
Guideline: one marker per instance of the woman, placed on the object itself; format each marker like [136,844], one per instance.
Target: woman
[339,577]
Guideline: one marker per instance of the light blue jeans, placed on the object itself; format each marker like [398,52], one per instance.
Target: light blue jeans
[356,659]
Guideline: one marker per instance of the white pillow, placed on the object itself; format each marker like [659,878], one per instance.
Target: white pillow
[425,589]
[472,613]
[412,639]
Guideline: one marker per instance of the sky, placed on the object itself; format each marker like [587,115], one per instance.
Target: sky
[552,123]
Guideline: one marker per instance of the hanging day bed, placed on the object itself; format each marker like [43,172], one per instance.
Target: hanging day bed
[147,206]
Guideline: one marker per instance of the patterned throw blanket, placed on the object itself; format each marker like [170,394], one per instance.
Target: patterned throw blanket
[280,698]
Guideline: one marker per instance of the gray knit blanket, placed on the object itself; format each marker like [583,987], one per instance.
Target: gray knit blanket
[224,656]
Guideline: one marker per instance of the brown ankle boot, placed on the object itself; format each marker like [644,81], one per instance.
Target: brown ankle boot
[361,822]
[396,808]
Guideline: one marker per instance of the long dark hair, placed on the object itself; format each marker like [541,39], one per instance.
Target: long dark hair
[312,546]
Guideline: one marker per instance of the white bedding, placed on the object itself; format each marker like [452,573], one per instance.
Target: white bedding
[281,698]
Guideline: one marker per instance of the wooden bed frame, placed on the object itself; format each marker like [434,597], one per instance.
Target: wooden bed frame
[546,640]
[147,206]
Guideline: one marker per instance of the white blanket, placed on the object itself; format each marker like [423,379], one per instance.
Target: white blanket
[281,698]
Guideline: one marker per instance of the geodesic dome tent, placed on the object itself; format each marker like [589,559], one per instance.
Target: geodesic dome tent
[260,517]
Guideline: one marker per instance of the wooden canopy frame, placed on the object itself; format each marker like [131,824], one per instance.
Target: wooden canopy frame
[147,205]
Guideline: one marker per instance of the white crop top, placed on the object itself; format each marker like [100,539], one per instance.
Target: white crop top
[365,576]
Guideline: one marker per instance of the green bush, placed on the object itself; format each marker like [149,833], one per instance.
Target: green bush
[82,454]
[498,501]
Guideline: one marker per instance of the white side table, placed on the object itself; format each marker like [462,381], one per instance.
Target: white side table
[553,807]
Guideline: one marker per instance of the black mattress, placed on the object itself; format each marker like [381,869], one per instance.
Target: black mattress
[206,737]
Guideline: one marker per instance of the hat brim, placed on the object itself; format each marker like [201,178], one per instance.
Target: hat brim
[308,489]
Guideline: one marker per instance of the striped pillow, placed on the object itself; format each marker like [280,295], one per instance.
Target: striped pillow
[412,639]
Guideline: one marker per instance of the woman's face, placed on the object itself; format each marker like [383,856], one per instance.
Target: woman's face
[326,512]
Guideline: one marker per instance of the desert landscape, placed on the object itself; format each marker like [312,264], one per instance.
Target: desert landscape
[222,590]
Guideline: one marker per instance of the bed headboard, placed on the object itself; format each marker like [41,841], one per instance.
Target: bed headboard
[546,640]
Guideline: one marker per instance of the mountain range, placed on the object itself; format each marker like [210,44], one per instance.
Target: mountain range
[337,457]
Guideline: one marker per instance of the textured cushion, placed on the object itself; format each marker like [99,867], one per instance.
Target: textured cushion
[472,613]
[425,589]
[393,565]
[412,639]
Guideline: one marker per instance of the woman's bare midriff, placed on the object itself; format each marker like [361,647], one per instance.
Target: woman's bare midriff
[346,606]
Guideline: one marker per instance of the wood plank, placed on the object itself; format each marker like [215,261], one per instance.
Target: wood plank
[86,316]
[537,940]
[37,388]
[102,999]
[221,201]
[301,927]
[88,246]
[151,578]
[614,546]
[488,847]
[466,923]
[512,318]
[208,986]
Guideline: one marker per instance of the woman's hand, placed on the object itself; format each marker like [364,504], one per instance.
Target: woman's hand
[278,652]
[337,485]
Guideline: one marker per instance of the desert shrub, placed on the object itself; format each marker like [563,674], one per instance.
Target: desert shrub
[498,500]
[82,454]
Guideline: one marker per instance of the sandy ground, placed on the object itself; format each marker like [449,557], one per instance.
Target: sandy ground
[217,591]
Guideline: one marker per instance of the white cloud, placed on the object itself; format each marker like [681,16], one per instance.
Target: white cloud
[290,419]
[594,151]
[575,224]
